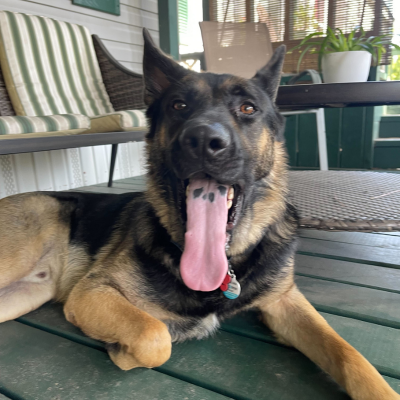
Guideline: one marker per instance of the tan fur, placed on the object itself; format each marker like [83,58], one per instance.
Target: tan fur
[104,314]
[77,263]
[267,211]
[233,81]
[295,321]
[32,252]
[264,153]
[167,213]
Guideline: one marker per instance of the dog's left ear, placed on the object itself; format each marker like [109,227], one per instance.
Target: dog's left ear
[159,70]
[270,76]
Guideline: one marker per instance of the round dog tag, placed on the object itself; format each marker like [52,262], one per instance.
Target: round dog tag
[233,291]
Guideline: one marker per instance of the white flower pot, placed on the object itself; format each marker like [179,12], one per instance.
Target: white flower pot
[346,66]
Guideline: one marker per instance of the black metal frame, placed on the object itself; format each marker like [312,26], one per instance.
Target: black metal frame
[331,95]
[29,145]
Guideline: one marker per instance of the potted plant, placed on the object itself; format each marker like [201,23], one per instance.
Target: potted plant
[345,58]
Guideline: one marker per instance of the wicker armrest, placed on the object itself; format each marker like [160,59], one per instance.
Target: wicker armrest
[124,87]
[6,108]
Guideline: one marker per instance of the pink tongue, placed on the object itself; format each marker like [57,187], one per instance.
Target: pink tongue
[203,263]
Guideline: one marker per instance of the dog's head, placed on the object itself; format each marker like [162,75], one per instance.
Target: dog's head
[217,167]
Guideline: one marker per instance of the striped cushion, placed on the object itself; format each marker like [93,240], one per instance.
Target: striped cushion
[50,67]
[130,118]
[118,121]
[51,123]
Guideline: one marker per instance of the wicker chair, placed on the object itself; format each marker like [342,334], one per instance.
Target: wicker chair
[124,87]
[125,90]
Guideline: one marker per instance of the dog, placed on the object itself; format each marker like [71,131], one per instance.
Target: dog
[213,234]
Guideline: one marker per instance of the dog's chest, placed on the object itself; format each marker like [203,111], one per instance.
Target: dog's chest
[192,328]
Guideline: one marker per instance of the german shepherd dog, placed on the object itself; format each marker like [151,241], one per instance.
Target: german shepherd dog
[214,233]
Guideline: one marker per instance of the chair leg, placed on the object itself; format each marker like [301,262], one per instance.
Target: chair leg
[321,130]
[114,151]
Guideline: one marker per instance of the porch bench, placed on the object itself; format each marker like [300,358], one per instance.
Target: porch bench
[110,109]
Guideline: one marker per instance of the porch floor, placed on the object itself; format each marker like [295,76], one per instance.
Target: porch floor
[353,280]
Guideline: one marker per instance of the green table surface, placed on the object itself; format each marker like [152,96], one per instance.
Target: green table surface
[353,279]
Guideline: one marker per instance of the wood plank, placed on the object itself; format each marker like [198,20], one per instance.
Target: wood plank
[124,51]
[249,324]
[135,67]
[139,180]
[100,189]
[129,15]
[37,365]
[116,30]
[387,233]
[148,5]
[244,368]
[132,187]
[350,252]
[394,383]
[233,365]
[361,238]
[380,345]
[370,305]
[347,272]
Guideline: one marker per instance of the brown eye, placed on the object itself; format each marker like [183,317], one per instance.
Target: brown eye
[179,105]
[247,108]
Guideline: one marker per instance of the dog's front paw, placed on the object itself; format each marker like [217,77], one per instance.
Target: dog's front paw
[151,348]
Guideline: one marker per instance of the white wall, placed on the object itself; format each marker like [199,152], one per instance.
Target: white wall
[65,169]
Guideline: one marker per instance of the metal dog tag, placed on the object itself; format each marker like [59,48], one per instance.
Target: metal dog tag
[234,289]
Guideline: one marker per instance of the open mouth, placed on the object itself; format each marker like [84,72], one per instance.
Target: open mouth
[212,210]
[234,200]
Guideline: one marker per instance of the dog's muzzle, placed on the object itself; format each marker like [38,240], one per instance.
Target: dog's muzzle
[205,142]
[207,148]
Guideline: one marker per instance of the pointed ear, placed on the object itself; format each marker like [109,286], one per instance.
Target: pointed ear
[159,70]
[270,76]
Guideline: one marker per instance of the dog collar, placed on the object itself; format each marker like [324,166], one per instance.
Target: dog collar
[230,286]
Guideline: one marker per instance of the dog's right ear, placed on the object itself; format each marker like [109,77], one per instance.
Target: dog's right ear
[269,76]
[159,70]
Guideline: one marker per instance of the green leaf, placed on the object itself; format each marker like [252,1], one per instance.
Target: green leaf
[322,52]
[351,35]
[379,56]
[301,57]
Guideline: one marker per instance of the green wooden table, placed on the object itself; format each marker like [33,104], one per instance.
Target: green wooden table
[353,279]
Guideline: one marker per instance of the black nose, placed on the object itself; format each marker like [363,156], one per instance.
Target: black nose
[205,140]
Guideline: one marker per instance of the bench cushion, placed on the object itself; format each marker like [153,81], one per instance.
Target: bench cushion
[20,126]
[118,121]
[50,67]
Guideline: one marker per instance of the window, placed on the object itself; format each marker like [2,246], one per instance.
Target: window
[190,13]
[289,21]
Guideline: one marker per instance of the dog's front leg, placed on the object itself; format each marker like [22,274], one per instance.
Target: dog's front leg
[135,338]
[296,322]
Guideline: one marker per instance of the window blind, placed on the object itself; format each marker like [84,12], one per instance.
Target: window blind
[289,21]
